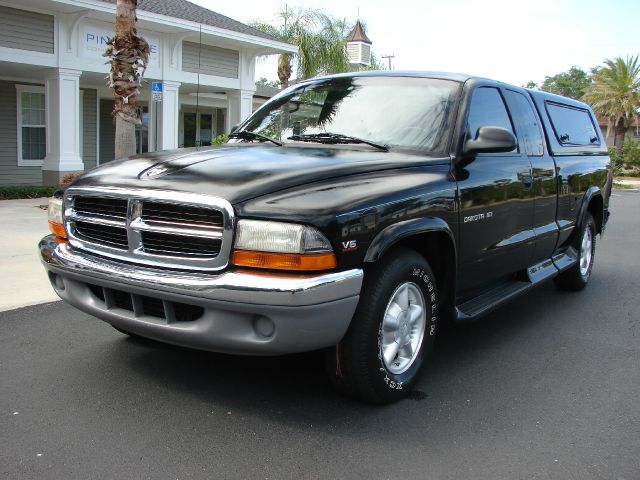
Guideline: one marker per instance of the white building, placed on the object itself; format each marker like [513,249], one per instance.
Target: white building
[55,108]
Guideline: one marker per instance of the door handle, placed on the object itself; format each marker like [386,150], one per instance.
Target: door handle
[527,180]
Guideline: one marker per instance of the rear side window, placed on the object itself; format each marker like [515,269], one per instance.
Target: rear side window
[526,123]
[572,126]
[487,109]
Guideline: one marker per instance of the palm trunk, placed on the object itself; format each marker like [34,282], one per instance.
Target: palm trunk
[284,69]
[619,133]
[125,130]
[284,73]
[129,55]
[125,138]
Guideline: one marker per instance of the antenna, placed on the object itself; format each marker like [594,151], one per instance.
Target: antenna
[198,88]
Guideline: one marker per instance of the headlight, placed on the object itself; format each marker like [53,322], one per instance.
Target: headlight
[283,246]
[55,214]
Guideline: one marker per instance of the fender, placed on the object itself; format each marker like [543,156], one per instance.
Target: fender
[589,195]
[392,234]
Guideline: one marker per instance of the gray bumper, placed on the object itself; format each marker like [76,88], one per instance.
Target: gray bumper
[241,311]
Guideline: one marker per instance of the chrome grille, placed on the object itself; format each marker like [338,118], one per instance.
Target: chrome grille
[161,228]
[94,232]
[169,244]
[172,214]
[109,208]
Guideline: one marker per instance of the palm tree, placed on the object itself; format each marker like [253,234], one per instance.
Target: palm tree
[615,95]
[320,42]
[129,55]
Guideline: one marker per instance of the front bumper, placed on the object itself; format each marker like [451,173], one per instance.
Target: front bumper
[244,312]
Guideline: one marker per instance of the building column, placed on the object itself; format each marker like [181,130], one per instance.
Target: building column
[62,95]
[168,116]
[239,107]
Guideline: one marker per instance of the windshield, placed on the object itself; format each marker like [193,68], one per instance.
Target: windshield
[391,111]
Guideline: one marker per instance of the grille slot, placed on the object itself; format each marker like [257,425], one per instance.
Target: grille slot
[121,299]
[97,291]
[181,214]
[187,313]
[152,307]
[110,208]
[147,306]
[179,245]
[112,236]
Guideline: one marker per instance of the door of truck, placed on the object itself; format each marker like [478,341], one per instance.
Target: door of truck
[496,201]
[544,174]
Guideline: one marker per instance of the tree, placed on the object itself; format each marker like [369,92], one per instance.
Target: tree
[129,55]
[320,42]
[531,84]
[571,83]
[268,83]
[615,95]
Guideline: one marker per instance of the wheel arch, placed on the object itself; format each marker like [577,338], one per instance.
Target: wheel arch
[432,238]
[592,202]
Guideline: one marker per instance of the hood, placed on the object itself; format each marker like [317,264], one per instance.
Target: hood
[239,172]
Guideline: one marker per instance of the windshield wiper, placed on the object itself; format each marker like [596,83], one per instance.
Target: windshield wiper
[327,137]
[247,135]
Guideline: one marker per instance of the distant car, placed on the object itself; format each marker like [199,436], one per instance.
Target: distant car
[350,213]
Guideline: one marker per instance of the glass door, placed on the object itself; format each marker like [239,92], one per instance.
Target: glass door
[142,132]
[206,129]
[190,129]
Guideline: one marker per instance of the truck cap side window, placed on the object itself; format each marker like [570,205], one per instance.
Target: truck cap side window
[487,109]
[572,126]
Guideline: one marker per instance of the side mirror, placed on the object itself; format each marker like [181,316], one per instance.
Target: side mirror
[234,128]
[490,140]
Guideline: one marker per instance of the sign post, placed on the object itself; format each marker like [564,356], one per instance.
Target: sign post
[156,91]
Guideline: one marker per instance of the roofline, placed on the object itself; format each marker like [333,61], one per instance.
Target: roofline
[269,46]
[558,98]
[458,77]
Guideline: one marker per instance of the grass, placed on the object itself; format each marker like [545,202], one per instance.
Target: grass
[13,192]
[623,185]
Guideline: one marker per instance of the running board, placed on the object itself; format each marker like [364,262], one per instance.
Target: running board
[503,293]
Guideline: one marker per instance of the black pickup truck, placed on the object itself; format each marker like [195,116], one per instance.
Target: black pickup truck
[351,213]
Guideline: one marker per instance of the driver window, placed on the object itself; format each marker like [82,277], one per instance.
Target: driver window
[487,109]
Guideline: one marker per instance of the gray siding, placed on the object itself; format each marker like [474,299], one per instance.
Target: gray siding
[213,60]
[89,124]
[26,30]
[10,173]
[107,131]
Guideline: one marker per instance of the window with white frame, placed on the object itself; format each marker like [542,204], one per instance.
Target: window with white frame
[32,129]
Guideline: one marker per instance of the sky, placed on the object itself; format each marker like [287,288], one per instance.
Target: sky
[509,40]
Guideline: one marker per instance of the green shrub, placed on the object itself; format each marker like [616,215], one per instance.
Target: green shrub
[628,162]
[26,191]
[220,139]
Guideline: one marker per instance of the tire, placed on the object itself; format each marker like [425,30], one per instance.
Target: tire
[577,277]
[363,365]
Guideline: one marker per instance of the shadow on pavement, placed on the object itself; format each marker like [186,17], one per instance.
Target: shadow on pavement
[294,388]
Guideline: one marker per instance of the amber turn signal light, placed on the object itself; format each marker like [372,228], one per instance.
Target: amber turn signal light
[57,229]
[284,261]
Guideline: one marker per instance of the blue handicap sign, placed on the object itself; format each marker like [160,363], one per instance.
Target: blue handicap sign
[156,86]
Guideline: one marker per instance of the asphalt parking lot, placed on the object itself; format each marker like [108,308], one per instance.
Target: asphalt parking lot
[548,387]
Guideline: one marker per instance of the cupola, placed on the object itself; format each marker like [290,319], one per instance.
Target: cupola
[358,46]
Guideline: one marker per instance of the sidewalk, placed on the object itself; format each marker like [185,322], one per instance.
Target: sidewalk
[628,181]
[22,279]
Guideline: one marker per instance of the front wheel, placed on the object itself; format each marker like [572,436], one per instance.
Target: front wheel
[577,277]
[392,331]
